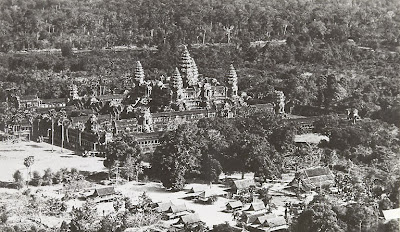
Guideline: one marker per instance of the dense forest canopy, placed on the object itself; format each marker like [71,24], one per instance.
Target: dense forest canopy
[38,24]
[337,54]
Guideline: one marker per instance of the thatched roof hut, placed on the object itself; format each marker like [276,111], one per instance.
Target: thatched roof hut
[163,207]
[313,178]
[189,219]
[103,192]
[256,206]
[234,205]
[240,185]
[177,208]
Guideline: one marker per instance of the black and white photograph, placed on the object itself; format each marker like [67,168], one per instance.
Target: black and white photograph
[199,115]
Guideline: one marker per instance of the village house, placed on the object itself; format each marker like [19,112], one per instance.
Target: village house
[233,206]
[189,219]
[175,211]
[249,217]
[312,179]
[104,194]
[256,206]
[163,206]
[239,186]
[273,224]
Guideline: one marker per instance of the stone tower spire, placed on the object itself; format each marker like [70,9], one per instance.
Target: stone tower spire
[73,92]
[176,85]
[146,120]
[279,102]
[232,82]
[188,68]
[195,71]
[139,73]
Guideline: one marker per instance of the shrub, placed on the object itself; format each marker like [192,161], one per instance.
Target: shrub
[17,228]
[58,177]
[18,179]
[3,215]
[7,229]
[212,199]
[222,228]
[48,177]
[64,227]
[27,192]
[33,229]
[36,179]
[55,207]
[74,173]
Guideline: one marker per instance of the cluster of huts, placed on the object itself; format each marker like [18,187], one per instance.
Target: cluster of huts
[254,216]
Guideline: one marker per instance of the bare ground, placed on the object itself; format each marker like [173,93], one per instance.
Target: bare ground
[12,157]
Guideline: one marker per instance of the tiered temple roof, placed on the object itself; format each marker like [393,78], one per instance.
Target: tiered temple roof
[139,73]
[232,82]
[188,69]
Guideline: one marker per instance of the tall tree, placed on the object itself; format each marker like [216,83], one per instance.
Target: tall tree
[28,162]
[178,155]
[320,217]
[124,153]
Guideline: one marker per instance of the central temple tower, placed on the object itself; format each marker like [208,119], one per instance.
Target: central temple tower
[188,69]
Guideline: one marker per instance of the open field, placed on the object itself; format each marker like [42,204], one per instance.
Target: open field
[12,158]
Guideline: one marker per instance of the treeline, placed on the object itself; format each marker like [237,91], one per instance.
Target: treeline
[38,24]
[204,150]
[370,149]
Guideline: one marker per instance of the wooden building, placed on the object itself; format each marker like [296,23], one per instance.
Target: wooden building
[312,179]
[242,185]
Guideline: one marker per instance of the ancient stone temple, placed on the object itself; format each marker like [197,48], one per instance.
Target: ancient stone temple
[187,96]
[193,91]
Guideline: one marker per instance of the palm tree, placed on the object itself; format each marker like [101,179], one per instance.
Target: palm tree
[52,115]
[28,162]
[81,128]
[30,115]
[62,121]
[116,110]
